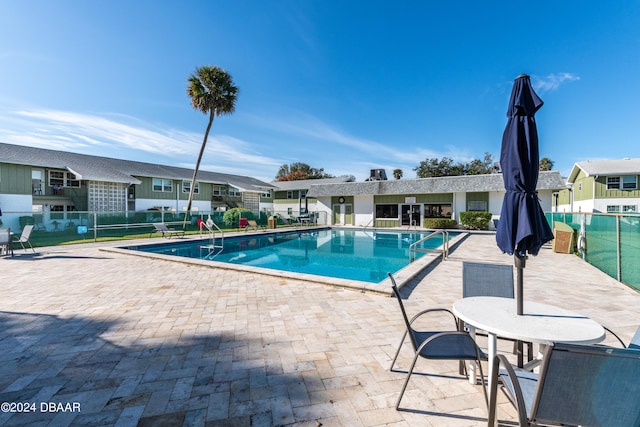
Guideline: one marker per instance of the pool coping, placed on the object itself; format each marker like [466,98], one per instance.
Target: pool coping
[402,276]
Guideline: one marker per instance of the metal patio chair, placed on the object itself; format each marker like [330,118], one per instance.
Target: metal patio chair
[492,280]
[440,345]
[595,386]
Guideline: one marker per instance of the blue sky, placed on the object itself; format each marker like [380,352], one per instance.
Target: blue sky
[342,85]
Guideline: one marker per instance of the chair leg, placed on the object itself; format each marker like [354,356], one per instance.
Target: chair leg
[404,387]
[398,350]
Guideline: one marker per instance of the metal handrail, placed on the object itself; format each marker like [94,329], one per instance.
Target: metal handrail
[369,223]
[209,225]
[413,248]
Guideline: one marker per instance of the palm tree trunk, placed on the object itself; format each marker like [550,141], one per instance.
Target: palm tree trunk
[195,171]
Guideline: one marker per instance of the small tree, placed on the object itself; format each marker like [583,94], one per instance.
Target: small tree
[397,173]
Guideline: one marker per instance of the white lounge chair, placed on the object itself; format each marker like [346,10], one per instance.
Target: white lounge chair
[24,237]
[166,231]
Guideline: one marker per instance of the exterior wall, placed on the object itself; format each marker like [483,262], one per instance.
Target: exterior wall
[15,179]
[145,191]
[364,210]
[601,192]
[600,205]
[323,204]
[14,206]
[583,188]
[546,200]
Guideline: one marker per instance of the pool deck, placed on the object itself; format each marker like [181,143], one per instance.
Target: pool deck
[134,340]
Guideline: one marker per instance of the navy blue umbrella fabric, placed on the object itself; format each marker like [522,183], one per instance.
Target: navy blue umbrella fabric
[522,228]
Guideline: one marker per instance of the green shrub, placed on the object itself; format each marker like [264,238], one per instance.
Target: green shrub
[437,223]
[231,217]
[25,220]
[475,220]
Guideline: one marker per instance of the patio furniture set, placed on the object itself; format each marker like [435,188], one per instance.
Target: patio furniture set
[573,380]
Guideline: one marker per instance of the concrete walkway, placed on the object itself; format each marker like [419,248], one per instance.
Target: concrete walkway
[96,338]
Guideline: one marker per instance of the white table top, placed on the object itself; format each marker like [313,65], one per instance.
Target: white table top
[540,323]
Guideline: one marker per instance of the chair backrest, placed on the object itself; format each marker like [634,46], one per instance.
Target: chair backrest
[481,279]
[26,232]
[160,226]
[635,341]
[588,385]
[5,236]
[252,223]
[410,330]
[243,222]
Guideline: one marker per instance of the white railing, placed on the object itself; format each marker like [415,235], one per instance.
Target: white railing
[214,250]
[414,249]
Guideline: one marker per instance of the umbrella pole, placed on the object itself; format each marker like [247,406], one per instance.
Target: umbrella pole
[520,262]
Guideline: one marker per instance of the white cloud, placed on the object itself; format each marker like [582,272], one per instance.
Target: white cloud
[551,82]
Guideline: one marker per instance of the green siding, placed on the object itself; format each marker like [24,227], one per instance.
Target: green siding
[145,191]
[602,192]
[15,179]
[582,187]
[564,197]
[386,223]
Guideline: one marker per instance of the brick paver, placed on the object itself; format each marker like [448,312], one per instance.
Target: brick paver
[150,342]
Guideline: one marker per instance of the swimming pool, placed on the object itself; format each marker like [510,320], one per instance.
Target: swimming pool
[346,254]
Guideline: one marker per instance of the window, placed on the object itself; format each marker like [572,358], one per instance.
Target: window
[629,182]
[622,183]
[442,210]
[59,179]
[629,208]
[303,194]
[387,211]
[613,183]
[186,187]
[289,194]
[477,206]
[266,194]
[234,191]
[613,209]
[162,185]
[219,190]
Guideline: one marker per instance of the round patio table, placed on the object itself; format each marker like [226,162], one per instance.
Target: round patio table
[541,323]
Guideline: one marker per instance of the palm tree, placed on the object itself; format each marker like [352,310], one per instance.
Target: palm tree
[212,91]
[546,164]
[397,173]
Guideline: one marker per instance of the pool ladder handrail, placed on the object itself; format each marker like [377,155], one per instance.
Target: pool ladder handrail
[413,248]
[210,225]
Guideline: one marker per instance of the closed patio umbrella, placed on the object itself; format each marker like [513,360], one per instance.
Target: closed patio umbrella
[522,228]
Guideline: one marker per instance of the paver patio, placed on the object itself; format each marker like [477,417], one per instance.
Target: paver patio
[147,342]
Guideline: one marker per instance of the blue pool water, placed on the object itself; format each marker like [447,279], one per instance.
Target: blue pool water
[348,254]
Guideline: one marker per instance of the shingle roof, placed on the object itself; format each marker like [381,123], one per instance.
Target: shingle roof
[305,184]
[550,180]
[625,166]
[108,169]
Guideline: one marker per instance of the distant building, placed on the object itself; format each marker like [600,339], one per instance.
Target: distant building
[56,184]
[406,202]
[607,186]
